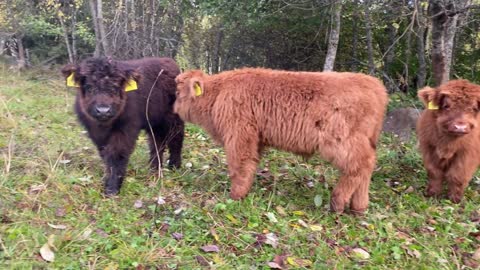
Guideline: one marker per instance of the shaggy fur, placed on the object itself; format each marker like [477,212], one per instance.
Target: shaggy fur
[449,136]
[337,115]
[114,117]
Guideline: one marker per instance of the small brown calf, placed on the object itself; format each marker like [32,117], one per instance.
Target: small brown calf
[336,115]
[449,136]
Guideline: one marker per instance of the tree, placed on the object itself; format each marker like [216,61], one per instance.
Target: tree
[445,20]
[334,35]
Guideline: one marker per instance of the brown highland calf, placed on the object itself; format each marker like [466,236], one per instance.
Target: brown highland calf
[111,103]
[449,136]
[337,115]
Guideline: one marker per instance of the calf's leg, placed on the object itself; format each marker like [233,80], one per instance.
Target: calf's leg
[175,144]
[435,175]
[458,176]
[356,161]
[242,157]
[115,155]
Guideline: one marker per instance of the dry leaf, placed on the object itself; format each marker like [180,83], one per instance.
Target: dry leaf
[476,255]
[360,253]
[58,227]
[210,248]
[47,253]
[138,204]
[297,262]
[271,217]
[202,261]
[215,235]
[271,239]
[177,236]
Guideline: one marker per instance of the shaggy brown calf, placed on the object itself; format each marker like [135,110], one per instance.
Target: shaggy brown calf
[338,115]
[111,104]
[449,137]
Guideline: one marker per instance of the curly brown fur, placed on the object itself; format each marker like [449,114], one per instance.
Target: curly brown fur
[337,115]
[114,117]
[449,136]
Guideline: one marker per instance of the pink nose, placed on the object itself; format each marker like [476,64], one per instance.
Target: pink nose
[460,128]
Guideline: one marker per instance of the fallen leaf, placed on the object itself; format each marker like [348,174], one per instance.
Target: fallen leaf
[160,201]
[178,211]
[297,262]
[101,233]
[271,239]
[47,253]
[177,236]
[210,248]
[213,232]
[86,234]
[281,211]
[303,223]
[410,189]
[37,189]
[414,253]
[318,200]
[298,213]
[278,262]
[476,255]
[60,212]
[202,261]
[360,253]
[64,161]
[51,241]
[58,227]
[138,204]
[232,219]
[217,259]
[315,228]
[271,217]
[274,265]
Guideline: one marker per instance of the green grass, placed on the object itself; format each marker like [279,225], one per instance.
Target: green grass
[51,175]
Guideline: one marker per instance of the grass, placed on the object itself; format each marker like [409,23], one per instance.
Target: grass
[50,190]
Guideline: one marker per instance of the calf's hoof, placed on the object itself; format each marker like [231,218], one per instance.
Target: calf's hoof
[174,164]
[432,191]
[455,198]
[108,192]
[238,194]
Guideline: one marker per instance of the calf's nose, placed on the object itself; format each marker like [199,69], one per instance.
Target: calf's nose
[103,109]
[460,127]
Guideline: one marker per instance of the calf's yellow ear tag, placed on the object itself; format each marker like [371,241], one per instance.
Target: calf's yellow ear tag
[198,90]
[432,106]
[71,81]
[131,85]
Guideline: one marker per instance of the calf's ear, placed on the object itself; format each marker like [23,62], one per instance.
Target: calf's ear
[68,71]
[195,85]
[132,77]
[427,96]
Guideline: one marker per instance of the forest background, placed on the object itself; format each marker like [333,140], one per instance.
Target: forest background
[406,43]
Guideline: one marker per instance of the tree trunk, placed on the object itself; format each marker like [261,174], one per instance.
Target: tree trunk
[216,49]
[368,29]
[353,65]
[334,36]
[67,41]
[74,36]
[101,27]
[445,20]
[422,64]
[21,60]
[98,41]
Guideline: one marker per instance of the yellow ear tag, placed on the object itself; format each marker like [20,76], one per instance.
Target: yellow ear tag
[71,81]
[131,85]
[432,106]
[198,90]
